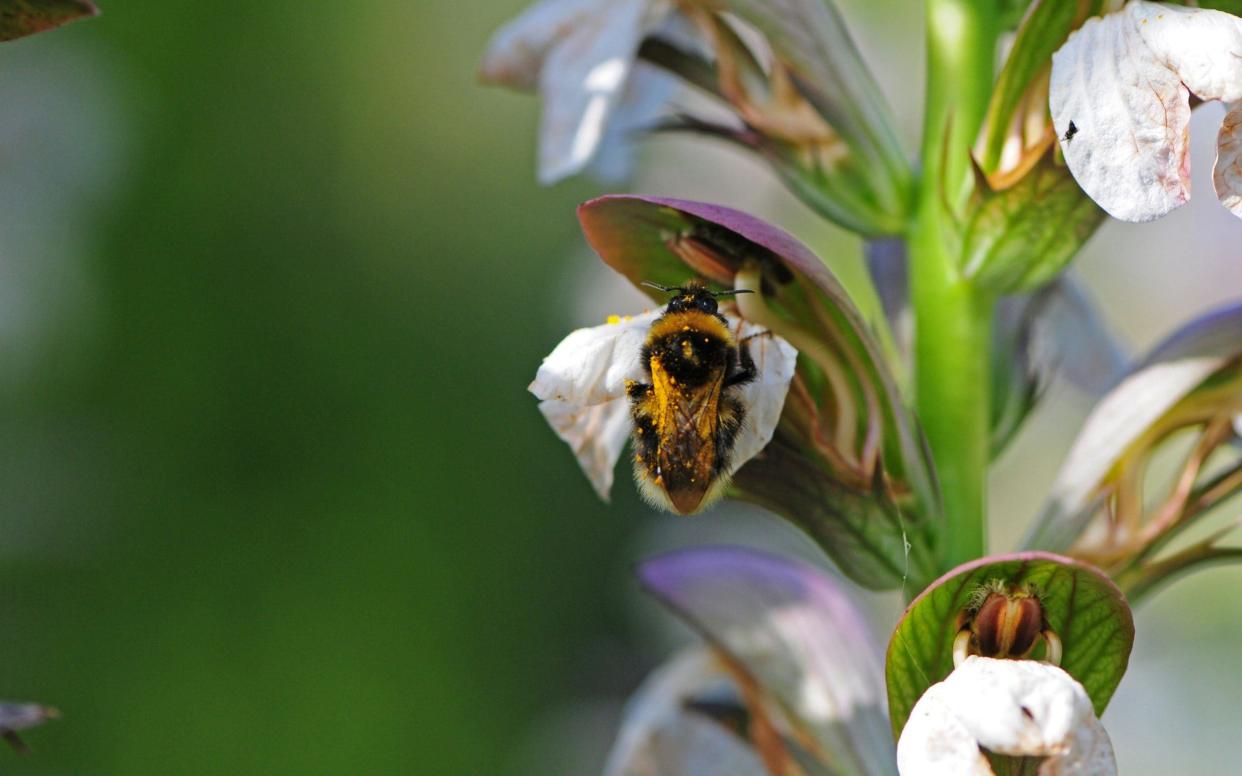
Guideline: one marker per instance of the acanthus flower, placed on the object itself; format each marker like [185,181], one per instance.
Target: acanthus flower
[787,682]
[828,443]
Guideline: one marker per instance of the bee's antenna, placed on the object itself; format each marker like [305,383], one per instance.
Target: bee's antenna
[665,289]
[733,292]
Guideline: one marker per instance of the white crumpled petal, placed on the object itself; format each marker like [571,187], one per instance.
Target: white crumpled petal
[1010,707]
[1227,177]
[580,53]
[660,736]
[1124,81]
[581,388]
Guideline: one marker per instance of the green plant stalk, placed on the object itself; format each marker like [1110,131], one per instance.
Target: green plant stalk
[952,318]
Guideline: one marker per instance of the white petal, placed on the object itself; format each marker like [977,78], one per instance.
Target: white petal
[517,51]
[642,104]
[581,387]
[591,366]
[1124,81]
[935,742]
[764,398]
[660,737]
[1227,177]
[1204,47]
[582,80]
[1010,707]
[597,433]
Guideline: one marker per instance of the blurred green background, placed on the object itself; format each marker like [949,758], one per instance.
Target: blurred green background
[273,498]
[279,502]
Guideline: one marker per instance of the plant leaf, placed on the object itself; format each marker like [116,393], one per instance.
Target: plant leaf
[820,118]
[19,18]
[665,241]
[1082,606]
[796,635]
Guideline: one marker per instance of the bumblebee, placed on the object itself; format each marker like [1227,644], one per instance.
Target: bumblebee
[686,417]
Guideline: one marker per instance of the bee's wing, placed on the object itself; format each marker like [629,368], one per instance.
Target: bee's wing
[687,423]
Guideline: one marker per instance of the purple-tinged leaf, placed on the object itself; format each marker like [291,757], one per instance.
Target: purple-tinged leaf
[796,634]
[19,18]
[1082,607]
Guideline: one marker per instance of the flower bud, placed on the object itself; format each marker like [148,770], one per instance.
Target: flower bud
[1004,622]
[1007,625]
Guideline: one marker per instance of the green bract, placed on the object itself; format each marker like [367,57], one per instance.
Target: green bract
[1021,237]
[1081,605]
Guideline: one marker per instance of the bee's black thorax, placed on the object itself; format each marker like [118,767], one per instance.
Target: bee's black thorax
[692,356]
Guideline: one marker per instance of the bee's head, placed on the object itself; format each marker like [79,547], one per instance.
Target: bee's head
[693,296]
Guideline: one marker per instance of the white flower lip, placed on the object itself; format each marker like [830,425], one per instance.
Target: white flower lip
[581,388]
[1124,81]
[580,54]
[1010,707]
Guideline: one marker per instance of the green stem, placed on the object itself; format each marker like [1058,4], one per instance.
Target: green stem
[952,318]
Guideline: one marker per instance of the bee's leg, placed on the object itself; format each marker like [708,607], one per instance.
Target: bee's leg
[636,391]
[732,416]
[645,436]
[744,370]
